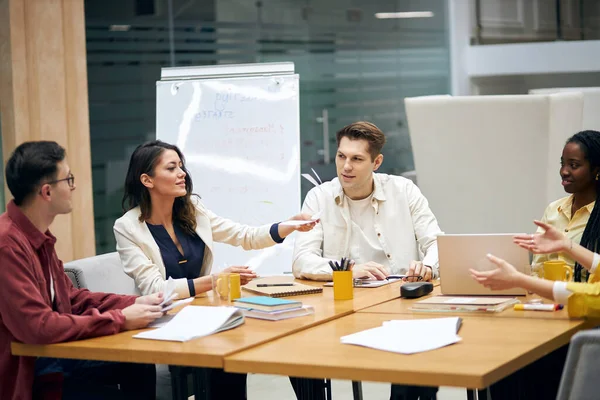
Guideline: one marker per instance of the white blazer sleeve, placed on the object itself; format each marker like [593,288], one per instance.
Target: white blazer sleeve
[139,266]
[308,261]
[425,226]
[226,231]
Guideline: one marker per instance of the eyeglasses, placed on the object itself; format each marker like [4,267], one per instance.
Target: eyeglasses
[70,181]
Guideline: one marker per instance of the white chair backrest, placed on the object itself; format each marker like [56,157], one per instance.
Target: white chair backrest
[103,273]
[483,161]
[591,103]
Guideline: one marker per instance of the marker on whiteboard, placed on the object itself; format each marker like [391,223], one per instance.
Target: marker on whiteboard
[175,88]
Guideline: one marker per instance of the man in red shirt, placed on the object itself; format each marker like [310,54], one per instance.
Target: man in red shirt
[38,303]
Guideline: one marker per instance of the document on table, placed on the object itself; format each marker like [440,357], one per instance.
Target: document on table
[408,336]
[168,293]
[162,321]
[196,321]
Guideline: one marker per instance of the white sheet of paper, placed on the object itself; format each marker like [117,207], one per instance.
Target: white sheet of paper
[372,283]
[310,179]
[407,336]
[169,292]
[178,303]
[162,321]
[295,223]
[315,217]
[195,321]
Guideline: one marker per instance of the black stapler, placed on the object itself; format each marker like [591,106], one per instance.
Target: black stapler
[412,290]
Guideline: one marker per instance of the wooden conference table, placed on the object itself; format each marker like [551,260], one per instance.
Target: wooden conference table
[210,351]
[490,350]
[493,346]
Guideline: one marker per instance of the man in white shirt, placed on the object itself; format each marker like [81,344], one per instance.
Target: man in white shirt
[380,221]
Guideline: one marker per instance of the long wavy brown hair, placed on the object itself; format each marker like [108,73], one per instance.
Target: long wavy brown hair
[143,161]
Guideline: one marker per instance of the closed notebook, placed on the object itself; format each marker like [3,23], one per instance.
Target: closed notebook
[279,315]
[453,303]
[266,303]
[280,291]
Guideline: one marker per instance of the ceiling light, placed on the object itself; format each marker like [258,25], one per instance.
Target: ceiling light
[408,14]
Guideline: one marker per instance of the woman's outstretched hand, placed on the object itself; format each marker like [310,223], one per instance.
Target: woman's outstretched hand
[550,241]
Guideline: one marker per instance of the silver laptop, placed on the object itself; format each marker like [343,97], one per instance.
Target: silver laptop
[461,252]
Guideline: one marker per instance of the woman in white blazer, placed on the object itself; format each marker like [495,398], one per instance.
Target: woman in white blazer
[158,197]
[168,232]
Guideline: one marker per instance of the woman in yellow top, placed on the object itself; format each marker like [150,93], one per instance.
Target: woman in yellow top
[579,168]
[582,299]
[540,380]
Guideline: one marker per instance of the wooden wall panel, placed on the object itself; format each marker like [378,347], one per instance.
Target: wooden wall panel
[43,77]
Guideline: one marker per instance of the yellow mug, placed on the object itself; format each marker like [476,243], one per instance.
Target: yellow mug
[235,286]
[343,285]
[227,286]
[220,285]
[557,271]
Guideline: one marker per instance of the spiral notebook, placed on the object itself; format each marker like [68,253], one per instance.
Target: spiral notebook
[280,291]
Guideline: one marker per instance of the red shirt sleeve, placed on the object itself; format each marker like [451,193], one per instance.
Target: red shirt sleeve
[82,299]
[31,320]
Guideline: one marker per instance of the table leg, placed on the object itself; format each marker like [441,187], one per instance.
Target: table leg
[201,384]
[357,390]
[328,389]
[477,394]
[308,388]
[178,382]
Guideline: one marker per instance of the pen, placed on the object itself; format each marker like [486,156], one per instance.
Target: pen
[538,307]
[395,277]
[274,284]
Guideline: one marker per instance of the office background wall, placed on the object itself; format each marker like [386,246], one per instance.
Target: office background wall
[352,66]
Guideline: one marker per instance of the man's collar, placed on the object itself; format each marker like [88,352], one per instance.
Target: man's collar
[378,193]
[33,234]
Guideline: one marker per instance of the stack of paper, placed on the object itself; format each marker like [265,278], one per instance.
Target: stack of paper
[272,309]
[408,336]
[453,304]
[196,321]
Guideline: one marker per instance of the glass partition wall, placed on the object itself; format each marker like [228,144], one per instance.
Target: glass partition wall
[354,64]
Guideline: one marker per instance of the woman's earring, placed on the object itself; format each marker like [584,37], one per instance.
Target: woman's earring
[597,176]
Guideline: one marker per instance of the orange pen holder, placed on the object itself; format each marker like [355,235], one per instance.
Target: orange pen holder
[343,285]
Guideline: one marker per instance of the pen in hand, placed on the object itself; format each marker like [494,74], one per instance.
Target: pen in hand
[274,284]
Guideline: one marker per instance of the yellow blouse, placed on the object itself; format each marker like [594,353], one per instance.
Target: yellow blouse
[558,214]
[585,299]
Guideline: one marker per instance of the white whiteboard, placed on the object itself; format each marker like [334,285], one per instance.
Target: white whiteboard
[241,140]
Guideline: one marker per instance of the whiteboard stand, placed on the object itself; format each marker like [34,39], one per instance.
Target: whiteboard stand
[239,129]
